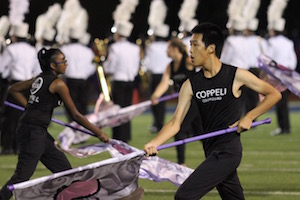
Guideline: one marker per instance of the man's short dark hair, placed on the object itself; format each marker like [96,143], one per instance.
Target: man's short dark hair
[212,34]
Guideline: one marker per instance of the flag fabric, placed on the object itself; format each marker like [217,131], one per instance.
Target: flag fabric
[279,76]
[152,168]
[110,116]
[114,178]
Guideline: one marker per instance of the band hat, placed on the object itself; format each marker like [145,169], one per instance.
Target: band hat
[4,26]
[76,33]
[275,13]
[124,28]
[239,24]
[277,25]
[249,13]
[188,10]
[188,25]
[20,30]
[85,39]
[49,34]
[157,13]
[162,31]
[235,13]
[252,24]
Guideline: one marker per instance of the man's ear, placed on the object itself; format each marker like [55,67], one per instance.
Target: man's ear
[211,48]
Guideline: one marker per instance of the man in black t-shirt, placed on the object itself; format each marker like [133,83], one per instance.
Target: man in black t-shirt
[217,91]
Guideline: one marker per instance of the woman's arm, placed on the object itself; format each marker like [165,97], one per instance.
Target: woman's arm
[17,89]
[162,86]
[59,87]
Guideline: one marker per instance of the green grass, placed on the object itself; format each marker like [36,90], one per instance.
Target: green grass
[270,168]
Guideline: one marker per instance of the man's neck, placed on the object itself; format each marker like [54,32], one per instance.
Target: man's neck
[212,67]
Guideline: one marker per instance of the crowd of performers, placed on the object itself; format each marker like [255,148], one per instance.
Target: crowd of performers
[168,63]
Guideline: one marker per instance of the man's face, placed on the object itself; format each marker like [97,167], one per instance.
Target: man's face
[198,50]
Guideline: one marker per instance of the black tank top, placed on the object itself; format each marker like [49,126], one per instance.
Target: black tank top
[181,75]
[41,101]
[218,107]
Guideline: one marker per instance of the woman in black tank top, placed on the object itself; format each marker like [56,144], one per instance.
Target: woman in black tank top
[179,70]
[36,144]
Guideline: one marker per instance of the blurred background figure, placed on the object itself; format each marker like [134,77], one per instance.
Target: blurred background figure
[235,50]
[122,64]
[156,58]
[177,71]
[256,46]
[4,27]
[80,60]
[18,63]
[281,49]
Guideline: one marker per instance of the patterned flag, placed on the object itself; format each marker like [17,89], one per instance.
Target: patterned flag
[114,178]
[279,76]
[152,168]
[110,116]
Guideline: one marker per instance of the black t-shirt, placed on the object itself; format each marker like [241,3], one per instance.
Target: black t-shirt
[218,108]
[41,101]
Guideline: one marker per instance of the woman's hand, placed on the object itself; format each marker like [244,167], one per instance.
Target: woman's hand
[103,137]
[154,100]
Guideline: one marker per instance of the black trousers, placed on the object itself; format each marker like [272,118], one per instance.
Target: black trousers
[79,93]
[122,95]
[158,110]
[282,112]
[218,170]
[35,144]
[191,126]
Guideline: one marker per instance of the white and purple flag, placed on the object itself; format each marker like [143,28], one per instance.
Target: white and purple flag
[110,179]
[279,76]
[107,114]
[152,168]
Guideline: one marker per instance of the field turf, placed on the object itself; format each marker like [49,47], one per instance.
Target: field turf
[270,168]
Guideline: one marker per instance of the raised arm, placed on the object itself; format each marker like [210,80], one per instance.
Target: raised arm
[59,87]
[272,96]
[173,126]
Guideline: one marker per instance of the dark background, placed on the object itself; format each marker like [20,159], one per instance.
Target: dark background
[100,15]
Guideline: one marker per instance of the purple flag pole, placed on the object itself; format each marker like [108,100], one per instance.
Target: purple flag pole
[164,98]
[168,97]
[52,119]
[209,135]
